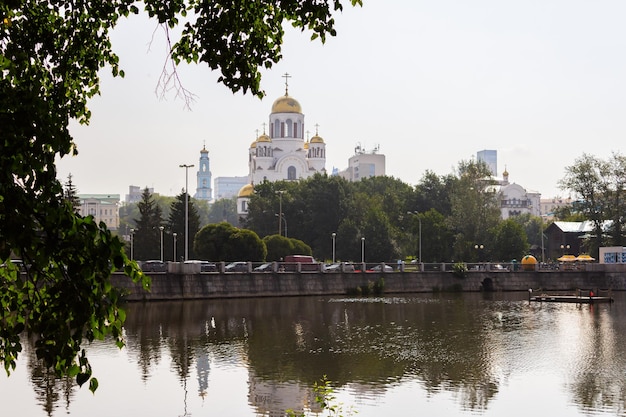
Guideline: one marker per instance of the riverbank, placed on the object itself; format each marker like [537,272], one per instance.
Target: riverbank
[189,286]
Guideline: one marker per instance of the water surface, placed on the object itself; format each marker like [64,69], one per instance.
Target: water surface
[424,354]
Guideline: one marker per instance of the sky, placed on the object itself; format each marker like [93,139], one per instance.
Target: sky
[429,83]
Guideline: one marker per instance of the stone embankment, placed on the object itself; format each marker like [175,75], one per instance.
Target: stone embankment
[188,285]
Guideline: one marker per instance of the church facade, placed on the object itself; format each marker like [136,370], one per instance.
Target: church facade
[283,153]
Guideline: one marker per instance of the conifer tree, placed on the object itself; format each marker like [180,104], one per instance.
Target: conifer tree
[176,224]
[70,193]
[147,233]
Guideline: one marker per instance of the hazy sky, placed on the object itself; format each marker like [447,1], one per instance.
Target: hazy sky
[429,82]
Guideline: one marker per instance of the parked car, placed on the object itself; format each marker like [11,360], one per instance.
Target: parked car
[381,268]
[236,267]
[205,266]
[153,266]
[339,267]
[266,267]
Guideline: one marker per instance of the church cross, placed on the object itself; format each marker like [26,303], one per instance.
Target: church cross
[286,77]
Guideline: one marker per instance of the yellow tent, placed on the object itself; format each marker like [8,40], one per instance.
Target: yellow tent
[585,258]
[567,258]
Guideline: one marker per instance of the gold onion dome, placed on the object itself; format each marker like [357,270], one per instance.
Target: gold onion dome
[253,145]
[286,104]
[264,138]
[317,139]
[306,145]
[246,190]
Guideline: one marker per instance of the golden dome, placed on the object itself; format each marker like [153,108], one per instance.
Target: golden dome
[317,139]
[286,104]
[253,145]
[264,138]
[306,145]
[246,191]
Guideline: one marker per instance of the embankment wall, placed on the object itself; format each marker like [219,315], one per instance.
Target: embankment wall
[173,286]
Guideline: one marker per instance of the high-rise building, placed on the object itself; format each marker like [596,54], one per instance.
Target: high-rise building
[489,157]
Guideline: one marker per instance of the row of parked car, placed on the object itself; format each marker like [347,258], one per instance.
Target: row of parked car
[241,266]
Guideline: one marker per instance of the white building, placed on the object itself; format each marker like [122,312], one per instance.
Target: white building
[103,208]
[283,154]
[228,187]
[516,200]
[364,164]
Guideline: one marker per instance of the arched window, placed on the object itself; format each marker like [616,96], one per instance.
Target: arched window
[289,130]
[295,130]
[291,173]
[276,132]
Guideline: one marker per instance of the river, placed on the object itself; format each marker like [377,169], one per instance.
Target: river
[471,354]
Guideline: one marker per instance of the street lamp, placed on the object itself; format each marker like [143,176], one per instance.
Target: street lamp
[280,212]
[186,209]
[132,233]
[419,219]
[362,250]
[479,249]
[333,236]
[563,247]
[161,229]
[282,215]
[174,234]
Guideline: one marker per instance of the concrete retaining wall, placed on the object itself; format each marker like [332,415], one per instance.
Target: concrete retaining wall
[171,286]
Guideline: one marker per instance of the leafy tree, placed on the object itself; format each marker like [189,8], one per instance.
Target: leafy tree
[509,241]
[589,178]
[279,246]
[437,239]
[247,245]
[434,192]
[224,242]
[210,241]
[176,224]
[475,208]
[51,53]
[223,210]
[146,237]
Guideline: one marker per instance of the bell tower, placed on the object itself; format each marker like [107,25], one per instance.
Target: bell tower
[204,190]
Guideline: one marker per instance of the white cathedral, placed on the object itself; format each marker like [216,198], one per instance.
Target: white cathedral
[284,154]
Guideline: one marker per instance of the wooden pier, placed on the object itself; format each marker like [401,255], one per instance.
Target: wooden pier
[590,297]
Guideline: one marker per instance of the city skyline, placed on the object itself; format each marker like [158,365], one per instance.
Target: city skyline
[430,84]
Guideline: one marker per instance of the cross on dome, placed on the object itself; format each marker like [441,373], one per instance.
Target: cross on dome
[286,77]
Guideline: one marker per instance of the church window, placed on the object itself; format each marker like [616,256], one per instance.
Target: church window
[295,130]
[244,207]
[282,130]
[289,126]
[276,128]
[291,173]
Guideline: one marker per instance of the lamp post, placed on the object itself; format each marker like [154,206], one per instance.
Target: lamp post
[333,236]
[280,212]
[284,220]
[161,229]
[362,250]
[186,209]
[174,234]
[132,233]
[419,219]
[479,249]
[563,247]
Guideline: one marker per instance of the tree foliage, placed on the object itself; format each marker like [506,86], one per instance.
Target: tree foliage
[600,187]
[146,235]
[224,242]
[176,224]
[51,53]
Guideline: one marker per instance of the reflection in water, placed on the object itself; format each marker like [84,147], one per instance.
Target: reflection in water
[472,352]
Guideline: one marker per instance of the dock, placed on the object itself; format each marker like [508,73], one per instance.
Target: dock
[591,298]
